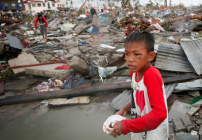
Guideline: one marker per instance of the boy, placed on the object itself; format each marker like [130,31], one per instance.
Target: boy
[148,105]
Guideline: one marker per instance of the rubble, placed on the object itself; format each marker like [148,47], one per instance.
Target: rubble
[181,124]
[194,93]
[96,68]
[78,64]
[30,59]
[48,70]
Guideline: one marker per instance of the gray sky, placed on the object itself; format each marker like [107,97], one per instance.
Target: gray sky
[78,3]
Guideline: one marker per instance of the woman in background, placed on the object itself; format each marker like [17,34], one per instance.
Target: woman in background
[43,26]
[96,26]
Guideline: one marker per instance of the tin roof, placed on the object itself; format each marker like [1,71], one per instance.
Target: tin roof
[171,57]
[124,98]
[15,42]
[193,51]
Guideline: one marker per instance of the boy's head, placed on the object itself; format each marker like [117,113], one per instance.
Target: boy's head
[139,50]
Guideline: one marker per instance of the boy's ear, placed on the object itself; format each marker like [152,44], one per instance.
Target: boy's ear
[152,55]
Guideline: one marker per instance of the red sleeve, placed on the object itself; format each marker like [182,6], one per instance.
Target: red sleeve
[131,75]
[153,81]
[45,21]
[36,22]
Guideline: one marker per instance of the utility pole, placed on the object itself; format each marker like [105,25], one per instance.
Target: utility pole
[165,3]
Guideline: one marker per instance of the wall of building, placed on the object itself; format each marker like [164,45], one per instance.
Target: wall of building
[60,4]
[36,7]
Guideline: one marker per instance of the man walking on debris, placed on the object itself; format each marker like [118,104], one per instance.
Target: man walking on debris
[148,105]
[43,26]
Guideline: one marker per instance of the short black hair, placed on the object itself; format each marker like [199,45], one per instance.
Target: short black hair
[93,11]
[141,36]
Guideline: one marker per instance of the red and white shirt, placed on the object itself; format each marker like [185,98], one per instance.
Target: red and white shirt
[149,109]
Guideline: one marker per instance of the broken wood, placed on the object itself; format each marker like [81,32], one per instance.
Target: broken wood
[180,78]
[65,93]
[82,100]
[10,20]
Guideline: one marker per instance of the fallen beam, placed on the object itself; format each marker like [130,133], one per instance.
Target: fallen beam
[65,93]
[180,78]
[10,20]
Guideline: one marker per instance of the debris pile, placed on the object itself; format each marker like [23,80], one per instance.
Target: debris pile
[73,66]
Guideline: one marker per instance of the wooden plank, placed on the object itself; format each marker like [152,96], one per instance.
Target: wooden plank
[180,78]
[10,20]
[83,91]
[63,93]
[82,100]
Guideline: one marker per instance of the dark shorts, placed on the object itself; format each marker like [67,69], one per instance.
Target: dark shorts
[95,30]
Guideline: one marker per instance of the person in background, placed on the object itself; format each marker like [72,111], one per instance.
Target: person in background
[46,16]
[43,26]
[96,26]
[92,9]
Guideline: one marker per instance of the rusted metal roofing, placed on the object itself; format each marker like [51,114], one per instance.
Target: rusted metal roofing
[124,98]
[171,57]
[193,51]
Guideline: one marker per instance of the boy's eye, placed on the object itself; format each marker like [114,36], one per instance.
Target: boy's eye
[137,54]
[126,53]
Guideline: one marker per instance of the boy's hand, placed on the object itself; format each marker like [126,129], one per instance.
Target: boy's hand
[121,112]
[118,129]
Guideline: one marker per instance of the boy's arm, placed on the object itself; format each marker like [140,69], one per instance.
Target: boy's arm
[118,127]
[124,110]
[158,114]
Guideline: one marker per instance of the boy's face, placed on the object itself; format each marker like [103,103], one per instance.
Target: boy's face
[137,56]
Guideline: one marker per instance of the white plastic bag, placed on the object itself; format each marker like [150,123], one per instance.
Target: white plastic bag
[106,71]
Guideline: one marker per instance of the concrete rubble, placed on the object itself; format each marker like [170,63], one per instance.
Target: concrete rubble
[69,61]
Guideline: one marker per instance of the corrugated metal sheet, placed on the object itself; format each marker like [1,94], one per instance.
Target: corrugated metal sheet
[193,51]
[121,100]
[15,42]
[169,89]
[171,57]
[124,98]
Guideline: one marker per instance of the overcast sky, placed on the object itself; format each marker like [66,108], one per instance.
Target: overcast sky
[78,3]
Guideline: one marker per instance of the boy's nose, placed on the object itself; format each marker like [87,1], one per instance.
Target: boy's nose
[130,58]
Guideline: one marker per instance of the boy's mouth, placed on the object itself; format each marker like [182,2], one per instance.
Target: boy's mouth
[131,66]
